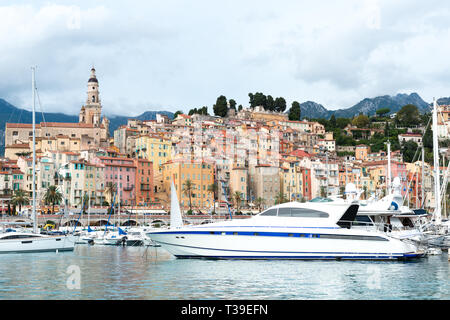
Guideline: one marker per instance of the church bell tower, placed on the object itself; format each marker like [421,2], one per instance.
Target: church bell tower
[91,112]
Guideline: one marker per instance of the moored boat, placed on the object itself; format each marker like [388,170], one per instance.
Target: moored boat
[287,231]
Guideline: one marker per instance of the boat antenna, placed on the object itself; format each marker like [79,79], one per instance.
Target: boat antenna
[110,212]
[81,212]
[437,189]
[33,90]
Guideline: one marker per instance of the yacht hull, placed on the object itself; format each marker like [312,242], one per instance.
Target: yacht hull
[38,244]
[289,244]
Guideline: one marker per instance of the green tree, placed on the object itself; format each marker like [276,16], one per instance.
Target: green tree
[342,122]
[333,122]
[188,186]
[175,115]
[270,103]
[251,100]
[361,121]
[203,110]
[232,104]
[280,198]
[280,104]
[408,116]
[382,112]
[19,199]
[323,192]
[409,150]
[237,196]
[259,203]
[428,138]
[85,202]
[52,196]
[259,99]
[386,129]
[294,112]
[221,107]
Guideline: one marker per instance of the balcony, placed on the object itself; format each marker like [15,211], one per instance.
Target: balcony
[128,188]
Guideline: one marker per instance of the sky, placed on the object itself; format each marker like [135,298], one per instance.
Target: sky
[176,55]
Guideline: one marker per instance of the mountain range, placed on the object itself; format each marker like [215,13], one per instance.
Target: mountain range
[310,109]
[368,106]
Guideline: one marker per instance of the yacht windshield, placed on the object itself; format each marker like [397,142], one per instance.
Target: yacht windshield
[320,199]
[296,212]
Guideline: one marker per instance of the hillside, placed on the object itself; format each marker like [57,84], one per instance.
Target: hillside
[12,114]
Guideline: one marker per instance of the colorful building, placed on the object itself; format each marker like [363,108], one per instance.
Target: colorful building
[201,175]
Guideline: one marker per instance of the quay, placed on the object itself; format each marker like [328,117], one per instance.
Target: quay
[122,220]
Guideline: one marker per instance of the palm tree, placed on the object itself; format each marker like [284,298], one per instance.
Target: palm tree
[53,196]
[323,192]
[188,186]
[20,198]
[213,188]
[110,190]
[85,202]
[280,198]
[237,195]
[259,202]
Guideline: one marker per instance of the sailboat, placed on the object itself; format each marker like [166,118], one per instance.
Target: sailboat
[21,242]
[439,231]
[176,221]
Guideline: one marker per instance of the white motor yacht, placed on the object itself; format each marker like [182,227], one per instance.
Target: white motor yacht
[21,242]
[287,231]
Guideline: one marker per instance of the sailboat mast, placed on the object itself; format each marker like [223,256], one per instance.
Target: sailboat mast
[389,178]
[33,90]
[437,189]
[118,184]
[423,177]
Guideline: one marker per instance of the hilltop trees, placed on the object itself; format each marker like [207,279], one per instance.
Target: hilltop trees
[203,110]
[221,107]
[294,111]
[267,102]
[175,115]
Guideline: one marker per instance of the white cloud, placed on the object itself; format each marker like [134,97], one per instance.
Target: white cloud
[178,55]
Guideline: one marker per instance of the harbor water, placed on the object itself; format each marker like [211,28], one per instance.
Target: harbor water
[103,272]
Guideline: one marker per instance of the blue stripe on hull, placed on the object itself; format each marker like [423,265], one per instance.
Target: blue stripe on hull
[299,256]
[38,250]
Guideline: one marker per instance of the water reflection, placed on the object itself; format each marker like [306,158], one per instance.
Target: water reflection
[150,273]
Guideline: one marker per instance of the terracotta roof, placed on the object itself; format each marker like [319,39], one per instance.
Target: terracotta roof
[21,125]
[18,145]
[300,153]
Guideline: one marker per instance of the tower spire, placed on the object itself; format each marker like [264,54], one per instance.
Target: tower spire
[91,112]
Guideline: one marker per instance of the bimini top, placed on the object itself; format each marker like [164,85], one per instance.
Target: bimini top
[313,212]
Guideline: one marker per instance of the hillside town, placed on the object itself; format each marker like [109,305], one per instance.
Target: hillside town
[251,158]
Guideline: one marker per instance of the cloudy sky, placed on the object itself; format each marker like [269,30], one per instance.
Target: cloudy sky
[173,54]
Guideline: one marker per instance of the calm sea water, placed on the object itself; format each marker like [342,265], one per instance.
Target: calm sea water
[140,273]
